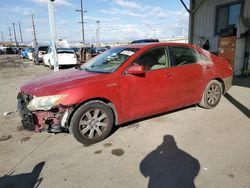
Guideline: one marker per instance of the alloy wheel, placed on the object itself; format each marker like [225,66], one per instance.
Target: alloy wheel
[93,123]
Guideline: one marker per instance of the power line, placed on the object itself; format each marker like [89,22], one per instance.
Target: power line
[14,31]
[82,21]
[10,34]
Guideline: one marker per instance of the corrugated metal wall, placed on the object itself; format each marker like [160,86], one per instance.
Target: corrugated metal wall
[204,21]
[247,9]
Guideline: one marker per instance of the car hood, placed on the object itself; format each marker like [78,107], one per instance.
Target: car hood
[54,83]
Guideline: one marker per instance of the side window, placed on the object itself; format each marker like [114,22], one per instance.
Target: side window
[154,59]
[183,55]
[49,50]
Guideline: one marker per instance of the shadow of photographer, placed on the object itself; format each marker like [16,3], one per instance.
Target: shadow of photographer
[23,180]
[169,167]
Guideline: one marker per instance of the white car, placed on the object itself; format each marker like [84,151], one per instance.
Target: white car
[30,55]
[66,56]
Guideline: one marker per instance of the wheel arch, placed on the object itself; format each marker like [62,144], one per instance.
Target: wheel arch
[222,84]
[97,99]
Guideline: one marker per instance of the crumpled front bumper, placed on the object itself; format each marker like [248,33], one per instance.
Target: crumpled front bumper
[40,120]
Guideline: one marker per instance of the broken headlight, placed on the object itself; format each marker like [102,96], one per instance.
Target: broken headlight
[45,102]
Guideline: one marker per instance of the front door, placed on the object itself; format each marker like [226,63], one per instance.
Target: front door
[151,93]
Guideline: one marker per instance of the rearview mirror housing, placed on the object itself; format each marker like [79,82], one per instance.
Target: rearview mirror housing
[136,70]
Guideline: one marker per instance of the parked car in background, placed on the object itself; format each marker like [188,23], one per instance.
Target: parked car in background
[25,52]
[16,50]
[86,53]
[31,54]
[144,41]
[10,50]
[3,49]
[38,54]
[123,84]
[66,56]
[75,50]
[100,50]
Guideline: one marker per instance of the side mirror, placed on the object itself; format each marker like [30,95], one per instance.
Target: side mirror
[136,70]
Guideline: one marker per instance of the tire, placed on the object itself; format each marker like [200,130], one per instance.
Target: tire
[211,95]
[36,62]
[92,122]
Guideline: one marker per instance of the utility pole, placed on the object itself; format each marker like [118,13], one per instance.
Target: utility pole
[2,36]
[14,31]
[20,30]
[82,21]
[98,31]
[10,35]
[34,31]
[53,33]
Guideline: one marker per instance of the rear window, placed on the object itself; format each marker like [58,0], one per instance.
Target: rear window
[43,48]
[65,52]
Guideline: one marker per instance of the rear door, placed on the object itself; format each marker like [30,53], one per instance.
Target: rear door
[189,74]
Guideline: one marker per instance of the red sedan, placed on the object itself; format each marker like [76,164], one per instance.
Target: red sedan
[123,84]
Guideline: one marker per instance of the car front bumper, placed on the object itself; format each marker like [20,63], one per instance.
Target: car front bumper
[228,82]
[41,120]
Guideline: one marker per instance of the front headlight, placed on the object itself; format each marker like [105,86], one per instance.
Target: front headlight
[45,102]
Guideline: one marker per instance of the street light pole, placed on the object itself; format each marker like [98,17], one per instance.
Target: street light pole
[2,36]
[20,30]
[14,30]
[98,31]
[10,34]
[53,33]
[34,32]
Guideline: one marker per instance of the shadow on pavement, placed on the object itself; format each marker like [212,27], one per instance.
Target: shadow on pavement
[169,167]
[23,180]
[238,105]
[241,81]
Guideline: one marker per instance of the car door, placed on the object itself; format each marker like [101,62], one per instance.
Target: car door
[152,92]
[47,56]
[189,74]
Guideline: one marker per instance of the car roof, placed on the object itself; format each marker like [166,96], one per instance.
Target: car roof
[156,44]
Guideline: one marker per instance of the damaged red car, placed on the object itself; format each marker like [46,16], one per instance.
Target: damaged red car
[123,84]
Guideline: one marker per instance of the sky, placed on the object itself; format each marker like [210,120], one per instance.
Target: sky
[120,20]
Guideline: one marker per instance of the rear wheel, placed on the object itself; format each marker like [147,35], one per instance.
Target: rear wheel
[211,95]
[92,122]
[50,66]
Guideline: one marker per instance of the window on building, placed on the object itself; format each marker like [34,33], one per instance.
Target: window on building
[227,16]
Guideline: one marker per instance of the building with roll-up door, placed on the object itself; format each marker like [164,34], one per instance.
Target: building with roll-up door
[224,27]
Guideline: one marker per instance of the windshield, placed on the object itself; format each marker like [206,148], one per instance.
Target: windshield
[109,61]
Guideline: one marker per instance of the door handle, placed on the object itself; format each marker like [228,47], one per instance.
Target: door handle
[169,75]
[208,67]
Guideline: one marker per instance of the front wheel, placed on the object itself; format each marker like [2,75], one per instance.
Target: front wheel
[211,95]
[92,122]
